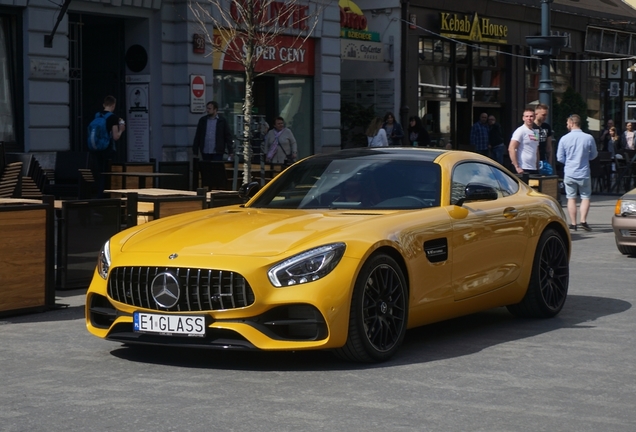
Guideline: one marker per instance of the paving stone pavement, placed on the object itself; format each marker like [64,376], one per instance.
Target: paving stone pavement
[485,372]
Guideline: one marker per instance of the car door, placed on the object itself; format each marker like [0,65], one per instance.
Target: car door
[489,237]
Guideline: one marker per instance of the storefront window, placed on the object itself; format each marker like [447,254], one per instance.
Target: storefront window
[560,73]
[593,95]
[7,119]
[293,102]
[486,73]
[434,68]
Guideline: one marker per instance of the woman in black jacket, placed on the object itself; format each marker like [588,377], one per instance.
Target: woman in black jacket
[418,136]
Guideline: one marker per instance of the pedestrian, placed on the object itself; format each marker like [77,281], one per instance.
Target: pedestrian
[280,144]
[479,135]
[100,159]
[627,141]
[524,146]
[576,150]
[605,135]
[418,135]
[545,133]
[393,129]
[213,137]
[376,135]
[614,142]
[495,140]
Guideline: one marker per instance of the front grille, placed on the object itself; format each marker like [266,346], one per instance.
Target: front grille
[201,289]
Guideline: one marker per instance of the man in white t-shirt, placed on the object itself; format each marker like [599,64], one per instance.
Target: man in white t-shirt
[524,146]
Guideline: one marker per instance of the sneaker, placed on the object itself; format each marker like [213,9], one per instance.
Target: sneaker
[573,227]
[585,226]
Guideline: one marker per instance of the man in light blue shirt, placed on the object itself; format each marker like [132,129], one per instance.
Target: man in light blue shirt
[576,150]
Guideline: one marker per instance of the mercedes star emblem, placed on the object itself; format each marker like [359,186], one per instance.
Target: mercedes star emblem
[165,290]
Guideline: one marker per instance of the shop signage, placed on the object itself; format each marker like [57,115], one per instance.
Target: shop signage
[286,55]
[353,23]
[359,50]
[272,13]
[474,29]
[360,35]
[49,69]
[137,122]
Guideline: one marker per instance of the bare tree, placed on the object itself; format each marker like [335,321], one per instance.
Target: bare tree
[246,30]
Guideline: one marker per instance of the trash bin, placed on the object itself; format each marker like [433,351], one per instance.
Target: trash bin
[547,184]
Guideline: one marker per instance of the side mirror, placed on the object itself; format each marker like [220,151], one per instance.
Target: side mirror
[248,190]
[478,192]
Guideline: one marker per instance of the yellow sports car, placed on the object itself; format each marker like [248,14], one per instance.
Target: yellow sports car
[343,251]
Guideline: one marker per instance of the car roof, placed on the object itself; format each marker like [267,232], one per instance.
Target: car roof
[393,153]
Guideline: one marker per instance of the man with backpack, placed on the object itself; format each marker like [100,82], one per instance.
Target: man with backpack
[103,131]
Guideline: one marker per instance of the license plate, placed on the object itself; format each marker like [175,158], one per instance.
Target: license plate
[182,325]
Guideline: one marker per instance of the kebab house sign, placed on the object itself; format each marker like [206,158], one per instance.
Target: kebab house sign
[474,29]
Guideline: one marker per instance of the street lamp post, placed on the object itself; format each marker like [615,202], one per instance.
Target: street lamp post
[545,47]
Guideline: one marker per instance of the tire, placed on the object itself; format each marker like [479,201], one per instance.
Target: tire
[626,250]
[548,287]
[379,312]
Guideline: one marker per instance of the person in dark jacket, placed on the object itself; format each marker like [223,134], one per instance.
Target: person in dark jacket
[213,137]
[394,131]
[418,136]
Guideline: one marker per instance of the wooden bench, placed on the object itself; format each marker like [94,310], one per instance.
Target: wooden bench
[11,180]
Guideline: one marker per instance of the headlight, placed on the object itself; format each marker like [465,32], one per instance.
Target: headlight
[625,207]
[103,260]
[307,266]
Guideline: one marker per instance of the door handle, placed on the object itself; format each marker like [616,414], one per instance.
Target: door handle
[510,212]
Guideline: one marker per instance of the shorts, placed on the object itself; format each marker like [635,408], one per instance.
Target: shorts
[574,187]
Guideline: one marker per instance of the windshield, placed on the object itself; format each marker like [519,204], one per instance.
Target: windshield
[354,183]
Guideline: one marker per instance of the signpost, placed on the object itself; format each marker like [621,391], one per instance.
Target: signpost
[197,93]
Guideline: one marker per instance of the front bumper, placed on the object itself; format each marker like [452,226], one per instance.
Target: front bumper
[314,315]
[624,230]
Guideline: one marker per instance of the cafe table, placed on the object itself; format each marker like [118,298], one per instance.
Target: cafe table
[147,204]
[141,175]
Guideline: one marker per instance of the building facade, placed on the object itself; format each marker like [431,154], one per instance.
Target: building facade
[464,58]
[443,61]
[61,60]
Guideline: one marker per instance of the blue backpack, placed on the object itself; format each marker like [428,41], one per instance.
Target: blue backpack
[98,134]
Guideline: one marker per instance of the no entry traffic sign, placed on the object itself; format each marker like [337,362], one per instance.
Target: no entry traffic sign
[197,93]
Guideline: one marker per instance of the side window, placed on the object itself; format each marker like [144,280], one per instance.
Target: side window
[508,186]
[471,172]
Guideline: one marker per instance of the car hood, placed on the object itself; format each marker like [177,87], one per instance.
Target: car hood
[256,232]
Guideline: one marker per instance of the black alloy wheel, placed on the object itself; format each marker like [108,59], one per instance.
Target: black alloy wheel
[548,287]
[378,317]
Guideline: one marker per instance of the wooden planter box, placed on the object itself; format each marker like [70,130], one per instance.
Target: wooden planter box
[26,258]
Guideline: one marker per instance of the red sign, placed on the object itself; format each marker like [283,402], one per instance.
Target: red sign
[286,55]
[198,86]
[198,44]
[272,13]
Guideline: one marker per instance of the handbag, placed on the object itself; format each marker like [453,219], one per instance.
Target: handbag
[272,151]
